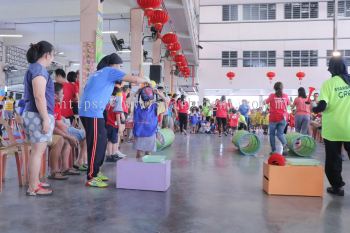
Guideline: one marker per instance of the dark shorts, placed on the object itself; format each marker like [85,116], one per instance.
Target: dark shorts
[112,134]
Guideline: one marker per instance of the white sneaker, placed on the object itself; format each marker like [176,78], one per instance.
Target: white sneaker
[120,154]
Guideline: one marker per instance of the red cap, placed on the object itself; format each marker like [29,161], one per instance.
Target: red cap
[277,159]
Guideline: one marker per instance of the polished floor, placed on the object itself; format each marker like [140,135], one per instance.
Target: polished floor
[213,189]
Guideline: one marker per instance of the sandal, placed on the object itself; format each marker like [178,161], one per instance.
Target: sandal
[71,172]
[40,191]
[57,176]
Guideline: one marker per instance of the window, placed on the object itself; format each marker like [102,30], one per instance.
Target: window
[301,10]
[345,54]
[343,8]
[229,59]
[259,11]
[304,58]
[229,13]
[259,58]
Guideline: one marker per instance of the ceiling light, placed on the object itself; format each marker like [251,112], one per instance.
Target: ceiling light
[109,32]
[147,63]
[9,35]
[336,54]
[75,64]
[60,53]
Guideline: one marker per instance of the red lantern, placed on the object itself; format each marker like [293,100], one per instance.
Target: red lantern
[271,75]
[179,58]
[174,47]
[148,6]
[230,75]
[169,38]
[300,75]
[159,18]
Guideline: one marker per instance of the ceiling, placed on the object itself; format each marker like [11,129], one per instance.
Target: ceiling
[57,21]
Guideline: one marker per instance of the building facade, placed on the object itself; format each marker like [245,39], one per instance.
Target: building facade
[253,37]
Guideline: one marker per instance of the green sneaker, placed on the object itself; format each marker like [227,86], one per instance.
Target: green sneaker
[82,168]
[102,177]
[96,182]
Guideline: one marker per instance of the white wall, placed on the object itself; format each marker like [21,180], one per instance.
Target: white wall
[278,35]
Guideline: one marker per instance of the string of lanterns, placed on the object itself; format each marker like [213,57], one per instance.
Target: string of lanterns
[157,18]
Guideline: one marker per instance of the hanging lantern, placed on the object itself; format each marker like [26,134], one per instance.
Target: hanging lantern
[300,75]
[169,38]
[271,75]
[174,47]
[148,6]
[179,58]
[230,75]
[159,18]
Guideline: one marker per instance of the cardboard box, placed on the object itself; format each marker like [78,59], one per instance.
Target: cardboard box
[135,174]
[293,180]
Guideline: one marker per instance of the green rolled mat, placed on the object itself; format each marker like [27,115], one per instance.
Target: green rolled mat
[247,143]
[301,145]
[165,137]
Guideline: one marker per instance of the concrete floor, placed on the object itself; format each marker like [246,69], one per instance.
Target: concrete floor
[213,189]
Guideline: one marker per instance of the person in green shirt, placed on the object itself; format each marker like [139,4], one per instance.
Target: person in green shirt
[206,110]
[334,103]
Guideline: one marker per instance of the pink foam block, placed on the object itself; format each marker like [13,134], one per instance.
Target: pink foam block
[133,174]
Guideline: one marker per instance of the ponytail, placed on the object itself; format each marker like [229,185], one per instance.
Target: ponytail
[278,89]
[36,51]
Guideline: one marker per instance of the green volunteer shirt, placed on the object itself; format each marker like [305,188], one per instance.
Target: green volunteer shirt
[206,110]
[336,117]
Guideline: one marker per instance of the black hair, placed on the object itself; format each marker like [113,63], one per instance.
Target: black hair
[182,97]
[112,59]
[223,98]
[125,88]
[72,77]
[278,89]
[36,51]
[116,90]
[58,87]
[60,72]
[174,96]
[301,92]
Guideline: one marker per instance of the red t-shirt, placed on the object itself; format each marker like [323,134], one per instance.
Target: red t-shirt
[124,104]
[302,107]
[221,111]
[291,120]
[278,107]
[233,120]
[70,92]
[111,116]
[57,112]
[77,85]
[182,107]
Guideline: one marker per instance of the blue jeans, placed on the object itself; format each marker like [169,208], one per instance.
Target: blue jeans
[279,128]
[302,123]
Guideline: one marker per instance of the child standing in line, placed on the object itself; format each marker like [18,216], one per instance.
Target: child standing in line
[114,118]
[233,118]
[146,121]
[291,121]
[242,123]
[194,120]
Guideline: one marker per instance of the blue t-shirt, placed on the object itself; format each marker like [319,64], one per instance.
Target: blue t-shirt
[35,70]
[98,91]
[244,109]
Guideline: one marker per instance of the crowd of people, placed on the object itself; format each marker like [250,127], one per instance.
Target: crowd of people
[108,112]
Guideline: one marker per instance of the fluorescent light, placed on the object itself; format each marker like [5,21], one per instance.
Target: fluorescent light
[75,64]
[60,53]
[124,51]
[109,32]
[147,63]
[9,35]
[336,54]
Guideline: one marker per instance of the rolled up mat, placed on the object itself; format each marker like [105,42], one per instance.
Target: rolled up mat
[301,145]
[165,137]
[247,143]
